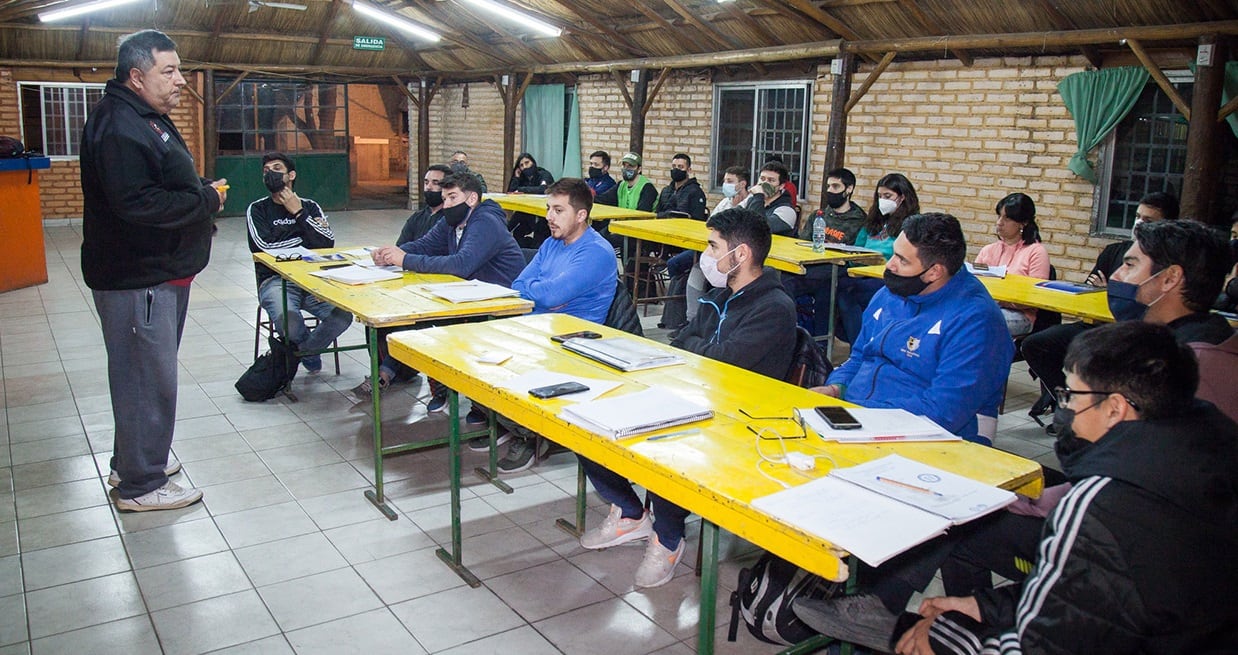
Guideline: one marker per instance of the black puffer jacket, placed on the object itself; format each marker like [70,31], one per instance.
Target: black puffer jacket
[688,201]
[1138,556]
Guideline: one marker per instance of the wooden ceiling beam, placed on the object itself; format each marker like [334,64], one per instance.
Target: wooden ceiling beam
[217,28]
[81,39]
[507,36]
[621,41]
[1157,75]
[710,31]
[660,21]
[451,32]
[324,31]
[931,26]
[833,24]
[1063,22]
[753,25]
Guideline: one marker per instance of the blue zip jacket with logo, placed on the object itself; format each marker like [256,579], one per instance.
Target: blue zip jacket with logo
[945,355]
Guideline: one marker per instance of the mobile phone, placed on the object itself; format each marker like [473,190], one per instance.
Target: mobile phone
[838,418]
[583,334]
[561,389]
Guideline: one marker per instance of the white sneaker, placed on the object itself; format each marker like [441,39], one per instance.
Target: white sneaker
[173,467]
[169,496]
[658,566]
[617,530]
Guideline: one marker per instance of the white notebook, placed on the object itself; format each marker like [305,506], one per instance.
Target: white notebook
[623,353]
[353,274]
[884,507]
[469,291]
[635,413]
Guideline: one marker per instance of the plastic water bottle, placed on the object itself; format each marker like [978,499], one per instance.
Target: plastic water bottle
[818,232]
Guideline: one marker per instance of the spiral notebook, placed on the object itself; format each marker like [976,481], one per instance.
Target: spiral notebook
[635,413]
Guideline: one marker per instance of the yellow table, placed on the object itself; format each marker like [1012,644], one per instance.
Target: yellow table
[713,474]
[536,204]
[394,303]
[1022,290]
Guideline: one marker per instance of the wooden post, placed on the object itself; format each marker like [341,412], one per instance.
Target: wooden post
[423,130]
[836,143]
[210,125]
[1199,183]
[640,91]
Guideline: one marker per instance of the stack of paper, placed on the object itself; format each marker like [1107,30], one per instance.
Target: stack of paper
[985,270]
[469,291]
[884,507]
[354,274]
[877,425]
[635,413]
[623,353]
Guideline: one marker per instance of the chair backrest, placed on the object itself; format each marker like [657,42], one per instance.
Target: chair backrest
[1216,374]
[809,367]
[1045,318]
[622,313]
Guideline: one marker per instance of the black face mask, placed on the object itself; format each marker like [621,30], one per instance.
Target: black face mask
[1068,444]
[434,198]
[596,173]
[835,200]
[629,174]
[456,214]
[904,285]
[274,180]
[678,175]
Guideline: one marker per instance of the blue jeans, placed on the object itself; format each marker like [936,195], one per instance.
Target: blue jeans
[680,264]
[854,294]
[815,282]
[332,321]
[669,518]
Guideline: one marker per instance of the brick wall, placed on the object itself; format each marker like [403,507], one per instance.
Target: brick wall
[476,129]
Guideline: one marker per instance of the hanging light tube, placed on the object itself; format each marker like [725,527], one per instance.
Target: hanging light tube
[521,18]
[69,12]
[393,20]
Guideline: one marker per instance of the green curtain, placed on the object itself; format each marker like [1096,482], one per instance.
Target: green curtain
[1098,101]
[542,127]
[571,151]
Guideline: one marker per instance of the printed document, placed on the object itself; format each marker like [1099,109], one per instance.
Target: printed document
[877,425]
[469,291]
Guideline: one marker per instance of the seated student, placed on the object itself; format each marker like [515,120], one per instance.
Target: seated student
[893,201]
[933,341]
[843,221]
[527,177]
[1136,557]
[1045,350]
[471,242]
[460,164]
[770,198]
[748,322]
[735,194]
[1018,248]
[574,272]
[284,219]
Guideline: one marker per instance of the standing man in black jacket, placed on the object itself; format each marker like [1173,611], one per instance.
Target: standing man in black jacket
[146,233]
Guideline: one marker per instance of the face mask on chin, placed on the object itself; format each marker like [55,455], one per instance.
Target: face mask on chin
[904,285]
[709,266]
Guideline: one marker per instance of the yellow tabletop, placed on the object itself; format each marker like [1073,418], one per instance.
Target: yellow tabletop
[713,473]
[391,303]
[536,204]
[785,253]
[1022,290]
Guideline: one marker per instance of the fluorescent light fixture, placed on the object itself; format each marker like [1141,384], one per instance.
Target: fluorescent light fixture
[61,14]
[395,21]
[528,21]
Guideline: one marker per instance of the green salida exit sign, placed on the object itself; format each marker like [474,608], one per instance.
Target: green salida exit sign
[368,43]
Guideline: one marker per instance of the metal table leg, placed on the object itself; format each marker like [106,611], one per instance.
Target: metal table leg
[563,524]
[709,588]
[454,558]
[375,495]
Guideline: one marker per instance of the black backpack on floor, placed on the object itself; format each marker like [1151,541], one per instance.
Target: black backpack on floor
[270,373]
[764,595]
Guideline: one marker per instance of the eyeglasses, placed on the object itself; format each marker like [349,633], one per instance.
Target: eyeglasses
[291,257]
[760,433]
[1063,395]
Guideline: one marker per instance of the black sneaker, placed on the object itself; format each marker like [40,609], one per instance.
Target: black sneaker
[521,455]
[476,416]
[482,444]
[438,402]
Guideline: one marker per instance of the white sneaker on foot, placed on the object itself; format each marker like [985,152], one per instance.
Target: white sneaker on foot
[173,467]
[617,530]
[169,496]
[658,566]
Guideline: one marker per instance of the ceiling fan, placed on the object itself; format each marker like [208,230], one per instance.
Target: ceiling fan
[255,5]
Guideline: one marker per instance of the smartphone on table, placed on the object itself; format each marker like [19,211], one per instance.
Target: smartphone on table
[838,418]
[583,334]
[555,390]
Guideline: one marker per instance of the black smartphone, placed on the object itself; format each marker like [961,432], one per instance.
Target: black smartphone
[838,418]
[561,389]
[584,334]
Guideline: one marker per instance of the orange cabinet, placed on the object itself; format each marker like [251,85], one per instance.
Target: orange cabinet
[23,262]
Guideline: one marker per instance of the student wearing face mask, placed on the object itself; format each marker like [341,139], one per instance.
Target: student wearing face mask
[844,219]
[634,191]
[893,201]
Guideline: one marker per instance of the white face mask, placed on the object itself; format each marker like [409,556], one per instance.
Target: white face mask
[1138,222]
[729,190]
[709,266]
[886,206]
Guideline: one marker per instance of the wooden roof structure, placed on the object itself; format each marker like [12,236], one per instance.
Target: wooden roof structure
[602,35]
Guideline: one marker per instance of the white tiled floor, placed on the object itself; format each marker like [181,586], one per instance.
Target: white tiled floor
[284,555]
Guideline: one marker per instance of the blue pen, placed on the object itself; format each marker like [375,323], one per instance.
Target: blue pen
[669,435]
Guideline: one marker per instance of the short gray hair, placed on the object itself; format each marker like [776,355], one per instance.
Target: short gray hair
[137,50]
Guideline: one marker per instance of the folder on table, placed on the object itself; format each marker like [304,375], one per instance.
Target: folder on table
[653,409]
[469,291]
[1068,287]
[354,274]
[623,353]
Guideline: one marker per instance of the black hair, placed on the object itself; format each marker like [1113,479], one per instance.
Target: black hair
[1020,209]
[466,182]
[893,224]
[741,225]
[844,175]
[579,195]
[137,50]
[938,239]
[516,165]
[1201,251]
[683,156]
[442,168]
[739,172]
[603,154]
[1142,361]
[1166,202]
[776,166]
[279,156]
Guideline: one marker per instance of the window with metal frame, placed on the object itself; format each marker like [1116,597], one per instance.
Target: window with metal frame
[290,117]
[1146,152]
[754,123]
[53,114]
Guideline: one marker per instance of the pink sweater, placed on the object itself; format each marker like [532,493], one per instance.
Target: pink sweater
[1019,259]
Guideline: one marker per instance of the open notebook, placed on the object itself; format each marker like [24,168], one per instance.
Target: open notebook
[884,507]
[635,413]
[623,353]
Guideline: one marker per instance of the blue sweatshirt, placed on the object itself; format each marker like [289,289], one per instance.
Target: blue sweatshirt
[945,355]
[486,251]
[578,280]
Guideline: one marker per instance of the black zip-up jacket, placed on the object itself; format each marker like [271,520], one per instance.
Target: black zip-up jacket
[1138,556]
[147,214]
[271,227]
[688,201]
[753,329]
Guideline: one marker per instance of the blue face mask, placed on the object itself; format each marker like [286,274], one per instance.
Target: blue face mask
[1123,303]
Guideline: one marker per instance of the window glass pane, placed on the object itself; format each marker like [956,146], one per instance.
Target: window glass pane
[735,130]
[53,115]
[291,117]
[757,123]
[54,121]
